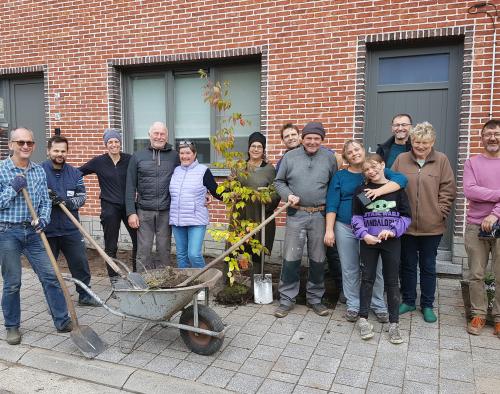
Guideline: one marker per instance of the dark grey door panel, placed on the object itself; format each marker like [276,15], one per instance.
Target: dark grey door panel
[423,82]
[28,110]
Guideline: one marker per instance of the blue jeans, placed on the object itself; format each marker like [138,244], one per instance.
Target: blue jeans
[348,248]
[421,251]
[22,239]
[73,248]
[188,244]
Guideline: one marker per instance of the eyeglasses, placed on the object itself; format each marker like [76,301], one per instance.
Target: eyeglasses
[489,135]
[21,143]
[397,125]
[257,147]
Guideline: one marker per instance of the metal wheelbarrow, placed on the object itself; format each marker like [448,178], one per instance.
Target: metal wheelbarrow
[201,329]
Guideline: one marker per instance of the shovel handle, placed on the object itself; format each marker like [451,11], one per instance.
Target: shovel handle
[236,245]
[103,254]
[67,297]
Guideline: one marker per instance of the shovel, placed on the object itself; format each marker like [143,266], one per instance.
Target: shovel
[134,278]
[262,285]
[235,246]
[83,337]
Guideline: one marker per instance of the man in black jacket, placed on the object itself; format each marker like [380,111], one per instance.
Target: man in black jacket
[399,142]
[147,197]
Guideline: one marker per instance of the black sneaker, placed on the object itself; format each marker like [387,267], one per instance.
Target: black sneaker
[87,301]
[283,310]
[319,309]
[67,328]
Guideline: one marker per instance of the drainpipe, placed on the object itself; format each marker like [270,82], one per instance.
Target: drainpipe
[478,9]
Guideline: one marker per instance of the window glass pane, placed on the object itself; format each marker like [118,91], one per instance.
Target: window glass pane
[413,69]
[148,106]
[245,99]
[192,114]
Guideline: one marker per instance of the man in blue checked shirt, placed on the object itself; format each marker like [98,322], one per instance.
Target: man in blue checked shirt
[66,187]
[18,235]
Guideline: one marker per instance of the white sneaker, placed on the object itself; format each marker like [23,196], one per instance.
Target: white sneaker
[365,328]
[394,334]
[201,295]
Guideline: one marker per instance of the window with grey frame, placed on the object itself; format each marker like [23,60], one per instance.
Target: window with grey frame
[175,97]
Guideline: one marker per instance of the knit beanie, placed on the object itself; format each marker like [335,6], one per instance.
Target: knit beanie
[111,133]
[257,137]
[314,128]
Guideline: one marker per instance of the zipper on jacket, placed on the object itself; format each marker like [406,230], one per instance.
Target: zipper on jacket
[179,202]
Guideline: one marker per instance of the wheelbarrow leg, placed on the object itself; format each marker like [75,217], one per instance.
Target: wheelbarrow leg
[132,347]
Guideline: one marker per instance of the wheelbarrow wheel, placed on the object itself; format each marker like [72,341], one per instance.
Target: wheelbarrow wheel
[208,320]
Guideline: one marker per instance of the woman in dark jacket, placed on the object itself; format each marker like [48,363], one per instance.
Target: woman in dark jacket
[260,174]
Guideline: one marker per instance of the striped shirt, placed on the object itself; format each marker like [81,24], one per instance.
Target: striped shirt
[13,207]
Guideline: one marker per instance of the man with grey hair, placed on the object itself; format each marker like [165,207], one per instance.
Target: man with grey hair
[111,171]
[18,235]
[147,197]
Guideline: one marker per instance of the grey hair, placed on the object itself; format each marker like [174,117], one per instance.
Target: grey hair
[157,124]
[13,132]
[423,130]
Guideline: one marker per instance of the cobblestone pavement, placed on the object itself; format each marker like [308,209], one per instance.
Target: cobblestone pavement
[302,353]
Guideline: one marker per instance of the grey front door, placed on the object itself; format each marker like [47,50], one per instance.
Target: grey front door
[27,109]
[423,82]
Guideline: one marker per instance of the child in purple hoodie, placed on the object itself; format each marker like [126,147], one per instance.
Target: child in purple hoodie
[379,224]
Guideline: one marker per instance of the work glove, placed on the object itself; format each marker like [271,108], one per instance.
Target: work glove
[56,200]
[19,183]
[39,224]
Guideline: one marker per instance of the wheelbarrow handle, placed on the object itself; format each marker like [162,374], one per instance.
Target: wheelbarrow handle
[236,245]
[48,249]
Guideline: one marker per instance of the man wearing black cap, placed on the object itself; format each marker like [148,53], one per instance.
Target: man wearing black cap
[111,171]
[303,179]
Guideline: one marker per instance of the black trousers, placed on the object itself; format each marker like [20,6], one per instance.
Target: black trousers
[73,248]
[334,267]
[111,217]
[390,251]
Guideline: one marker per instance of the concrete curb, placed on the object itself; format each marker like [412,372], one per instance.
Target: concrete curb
[100,372]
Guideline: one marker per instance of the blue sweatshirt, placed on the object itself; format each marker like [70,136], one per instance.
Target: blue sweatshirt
[342,187]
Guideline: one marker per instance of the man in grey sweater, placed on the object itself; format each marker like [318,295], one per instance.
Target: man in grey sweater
[302,179]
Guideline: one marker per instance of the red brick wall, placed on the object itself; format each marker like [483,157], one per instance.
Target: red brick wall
[312,56]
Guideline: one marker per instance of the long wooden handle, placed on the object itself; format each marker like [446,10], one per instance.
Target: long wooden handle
[67,297]
[236,245]
[103,254]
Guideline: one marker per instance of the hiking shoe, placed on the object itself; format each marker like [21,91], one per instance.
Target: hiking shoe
[429,315]
[476,325]
[319,309]
[382,317]
[497,329]
[404,308]
[87,301]
[365,328]
[282,310]
[351,315]
[67,328]
[13,336]
[394,334]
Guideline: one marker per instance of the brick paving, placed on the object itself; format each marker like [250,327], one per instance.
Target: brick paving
[302,353]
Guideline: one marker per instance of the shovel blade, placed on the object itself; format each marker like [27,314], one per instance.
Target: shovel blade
[87,341]
[262,289]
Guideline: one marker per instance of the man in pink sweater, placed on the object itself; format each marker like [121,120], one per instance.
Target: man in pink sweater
[482,189]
